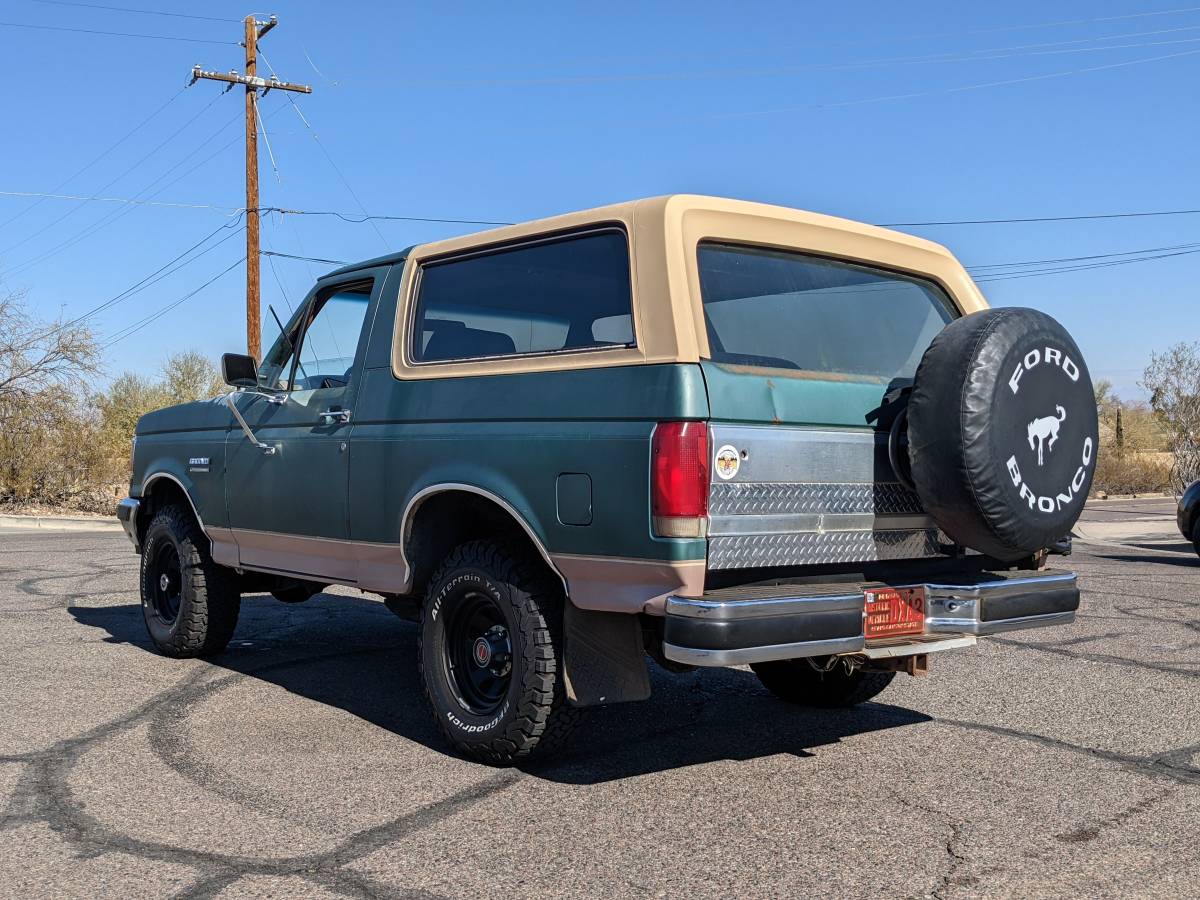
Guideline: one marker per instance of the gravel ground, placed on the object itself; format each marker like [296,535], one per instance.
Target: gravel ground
[303,762]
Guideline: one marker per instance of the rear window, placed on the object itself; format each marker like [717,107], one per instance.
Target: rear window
[786,310]
[568,293]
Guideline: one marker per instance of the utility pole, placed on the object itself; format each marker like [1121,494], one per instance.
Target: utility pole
[253,31]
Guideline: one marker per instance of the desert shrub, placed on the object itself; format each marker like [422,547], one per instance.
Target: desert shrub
[1173,380]
[50,454]
[1132,472]
[63,446]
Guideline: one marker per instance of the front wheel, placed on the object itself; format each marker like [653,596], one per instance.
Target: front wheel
[799,681]
[490,654]
[190,603]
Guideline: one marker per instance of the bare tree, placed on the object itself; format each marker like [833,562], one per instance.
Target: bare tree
[36,354]
[1173,380]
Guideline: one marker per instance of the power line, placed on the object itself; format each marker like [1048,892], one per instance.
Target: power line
[1118,215]
[126,200]
[316,259]
[328,157]
[113,181]
[109,218]
[130,330]
[958,89]
[149,37]
[981,55]
[156,275]
[1063,22]
[1007,276]
[1072,259]
[358,219]
[146,12]
[97,159]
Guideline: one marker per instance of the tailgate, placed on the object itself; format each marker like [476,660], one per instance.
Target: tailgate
[801,478]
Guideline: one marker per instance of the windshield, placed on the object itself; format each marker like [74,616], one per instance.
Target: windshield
[787,310]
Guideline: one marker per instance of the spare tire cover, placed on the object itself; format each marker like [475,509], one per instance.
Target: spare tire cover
[1003,431]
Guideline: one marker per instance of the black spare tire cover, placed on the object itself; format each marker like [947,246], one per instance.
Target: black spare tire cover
[1003,431]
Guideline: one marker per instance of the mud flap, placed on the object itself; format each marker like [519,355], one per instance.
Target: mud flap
[605,661]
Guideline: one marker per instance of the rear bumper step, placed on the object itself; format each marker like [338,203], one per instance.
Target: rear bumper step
[755,624]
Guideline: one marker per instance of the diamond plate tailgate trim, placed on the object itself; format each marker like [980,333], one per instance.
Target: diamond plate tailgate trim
[805,548]
[765,498]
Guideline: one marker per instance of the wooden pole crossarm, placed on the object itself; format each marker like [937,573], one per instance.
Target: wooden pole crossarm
[255,81]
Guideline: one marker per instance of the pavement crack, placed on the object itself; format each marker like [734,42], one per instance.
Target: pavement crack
[1110,659]
[43,794]
[956,860]
[1090,832]
[1153,766]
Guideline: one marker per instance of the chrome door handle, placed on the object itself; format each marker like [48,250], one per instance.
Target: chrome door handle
[335,417]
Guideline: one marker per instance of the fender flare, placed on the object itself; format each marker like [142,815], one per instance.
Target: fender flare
[442,487]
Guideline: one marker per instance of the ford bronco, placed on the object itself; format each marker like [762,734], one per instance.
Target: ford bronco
[704,431]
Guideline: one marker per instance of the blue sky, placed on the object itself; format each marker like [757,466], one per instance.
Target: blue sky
[883,112]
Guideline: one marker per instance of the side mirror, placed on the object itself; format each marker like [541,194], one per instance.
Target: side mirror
[239,370]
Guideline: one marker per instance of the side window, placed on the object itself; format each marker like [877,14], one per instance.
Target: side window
[328,334]
[569,293]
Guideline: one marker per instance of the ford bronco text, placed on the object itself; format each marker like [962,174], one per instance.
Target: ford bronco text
[712,432]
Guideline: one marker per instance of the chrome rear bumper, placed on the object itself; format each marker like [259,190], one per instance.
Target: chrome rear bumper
[748,625]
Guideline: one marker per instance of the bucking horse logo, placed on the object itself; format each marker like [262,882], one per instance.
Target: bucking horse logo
[1041,429]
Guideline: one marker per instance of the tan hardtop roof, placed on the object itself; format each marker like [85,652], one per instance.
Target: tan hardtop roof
[648,212]
[655,212]
[664,233]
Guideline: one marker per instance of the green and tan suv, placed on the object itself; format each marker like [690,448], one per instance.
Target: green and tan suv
[706,431]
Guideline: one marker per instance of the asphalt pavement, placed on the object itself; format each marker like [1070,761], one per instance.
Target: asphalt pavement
[303,762]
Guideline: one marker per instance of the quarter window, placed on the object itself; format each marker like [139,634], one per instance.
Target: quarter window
[569,293]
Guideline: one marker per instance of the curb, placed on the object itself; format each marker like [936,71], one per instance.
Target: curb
[57,523]
[1152,495]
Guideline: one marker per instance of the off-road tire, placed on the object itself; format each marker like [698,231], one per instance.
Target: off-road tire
[796,681]
[533,717]
[209,601]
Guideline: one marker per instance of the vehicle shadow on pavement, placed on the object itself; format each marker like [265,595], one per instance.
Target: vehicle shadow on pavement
[1185,555]
[352,654]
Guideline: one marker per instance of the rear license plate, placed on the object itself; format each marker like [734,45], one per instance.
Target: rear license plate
[894,611]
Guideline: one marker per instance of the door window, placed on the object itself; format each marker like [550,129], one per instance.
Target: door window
[328,335]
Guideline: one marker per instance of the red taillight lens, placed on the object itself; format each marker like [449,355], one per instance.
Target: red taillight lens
[679,479]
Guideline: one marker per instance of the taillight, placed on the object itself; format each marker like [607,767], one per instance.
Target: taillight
[679,479]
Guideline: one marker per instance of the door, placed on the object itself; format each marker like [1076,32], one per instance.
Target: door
[288,508]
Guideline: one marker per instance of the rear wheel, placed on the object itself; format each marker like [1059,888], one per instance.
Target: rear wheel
[800,681]
[190,603]
[490,654]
